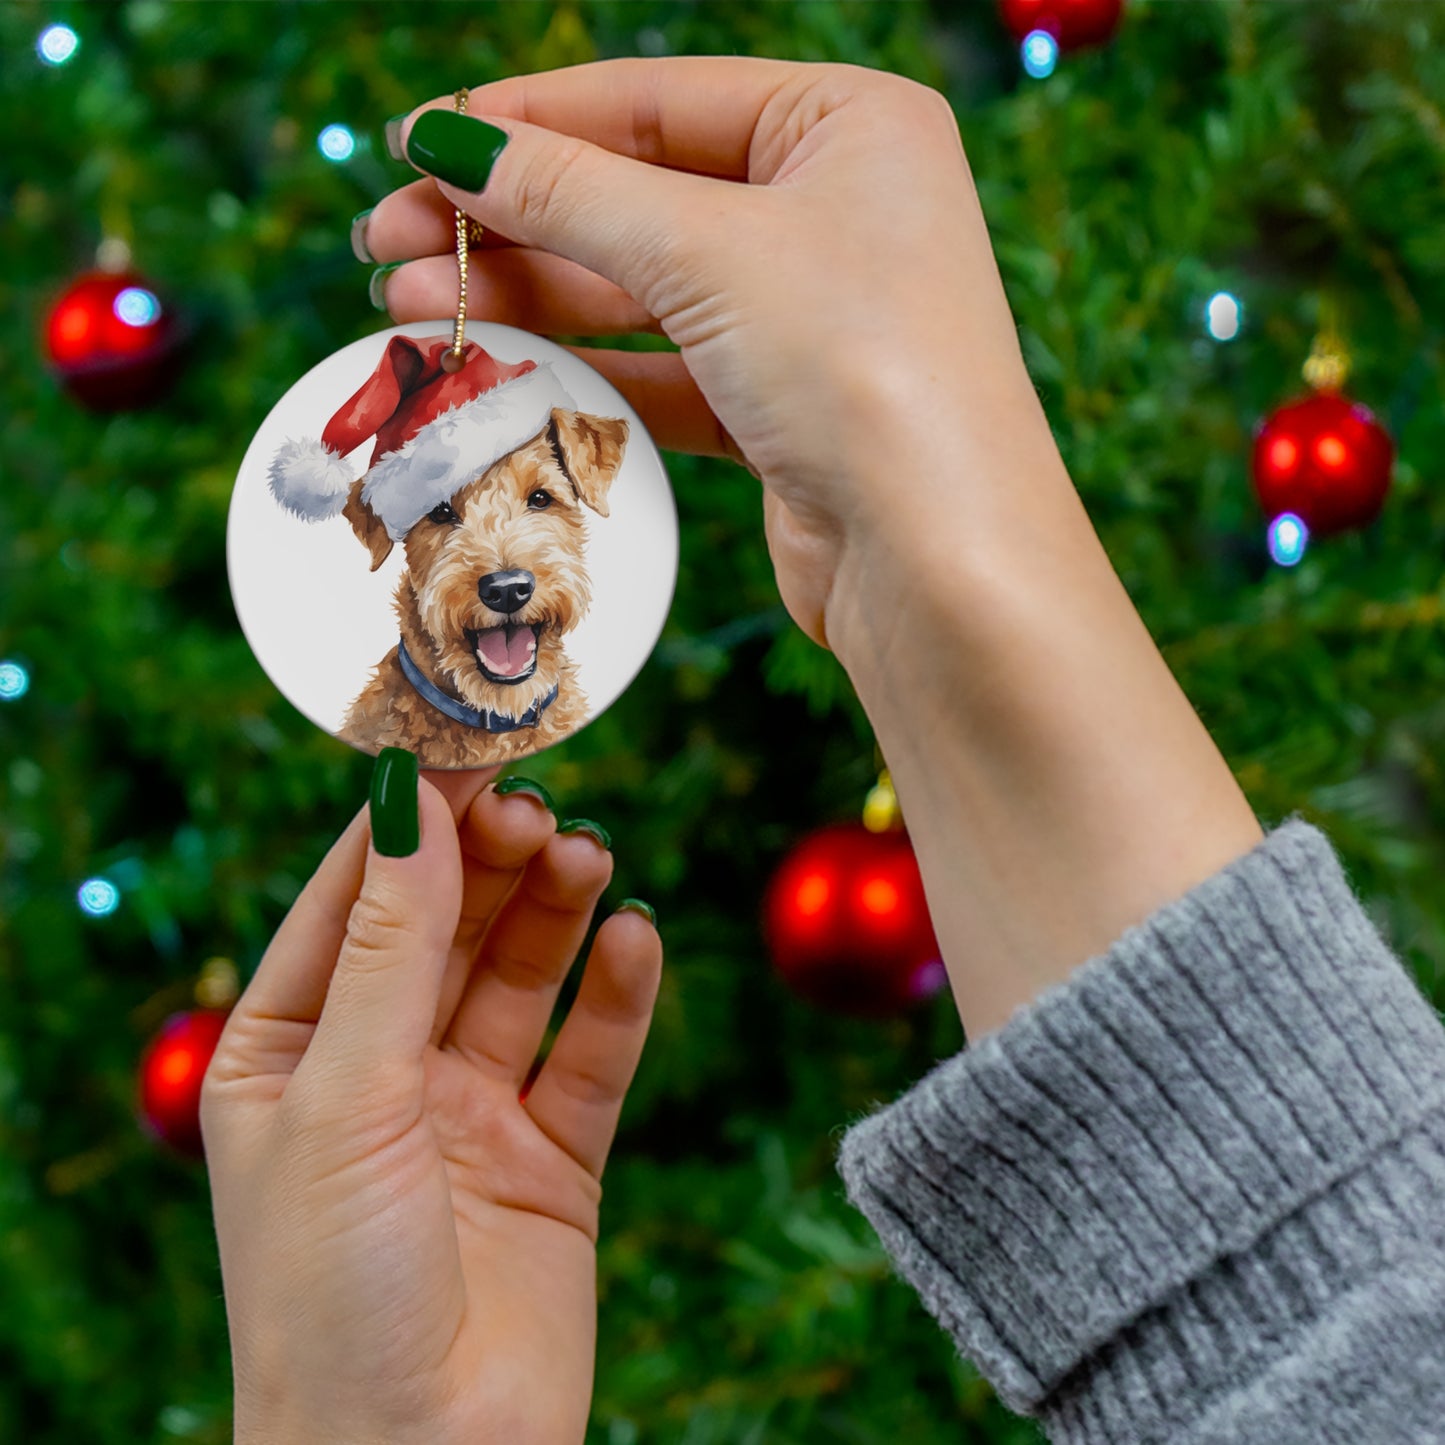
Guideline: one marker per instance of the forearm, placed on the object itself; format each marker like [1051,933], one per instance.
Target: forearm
[1056,782]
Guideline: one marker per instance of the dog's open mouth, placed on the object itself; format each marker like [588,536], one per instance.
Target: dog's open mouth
[507,653]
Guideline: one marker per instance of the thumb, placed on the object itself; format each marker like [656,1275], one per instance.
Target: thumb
[634,224]
[382,999]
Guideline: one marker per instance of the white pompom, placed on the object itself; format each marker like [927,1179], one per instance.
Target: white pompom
[311,480]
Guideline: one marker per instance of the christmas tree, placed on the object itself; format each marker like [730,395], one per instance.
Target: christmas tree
[1211,162]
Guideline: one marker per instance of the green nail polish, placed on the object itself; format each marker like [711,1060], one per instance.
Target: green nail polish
[358,236]
[376,287]
[515,784]
[586,825]
[636,905]
[455,148]
[395,824]
[392,132]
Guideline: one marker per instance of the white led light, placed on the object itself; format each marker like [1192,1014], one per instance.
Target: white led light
[98,897]
[1040,52]
[1223,316]
[1288,537]
[57,44]
[137,307]
[14,681]
[336,143]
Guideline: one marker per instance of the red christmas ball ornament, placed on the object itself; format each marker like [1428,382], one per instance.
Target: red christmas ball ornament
[1324,458]
[112,341]
[171,1071]
[1073,23]
[847,923]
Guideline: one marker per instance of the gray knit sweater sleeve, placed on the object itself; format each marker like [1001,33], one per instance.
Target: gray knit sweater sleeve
[1196,1192]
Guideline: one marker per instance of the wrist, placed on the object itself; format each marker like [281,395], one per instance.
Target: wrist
[939,527]
[1057,784]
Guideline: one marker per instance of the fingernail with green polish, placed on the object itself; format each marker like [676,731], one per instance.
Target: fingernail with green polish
[376,287]
[636,905]
[455,148]
[395,821]
[586,825]
[392,133]
[359,247]
[525,785]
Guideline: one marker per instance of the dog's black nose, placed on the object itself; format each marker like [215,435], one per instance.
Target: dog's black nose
[506,591]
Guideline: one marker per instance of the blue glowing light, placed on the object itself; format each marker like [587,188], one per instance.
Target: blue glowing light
[1040,53]
[14,681]
[1288,538]
[57,44]
[98,897]
[336,143]
[1223,316]
[137,307]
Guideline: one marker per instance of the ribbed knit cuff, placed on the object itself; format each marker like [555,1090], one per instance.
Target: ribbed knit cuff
[1175,1150]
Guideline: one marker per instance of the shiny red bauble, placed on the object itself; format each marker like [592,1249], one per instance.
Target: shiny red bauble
[171,1071]
[847,924]
[1324,458]
[112,341]
[1073,23]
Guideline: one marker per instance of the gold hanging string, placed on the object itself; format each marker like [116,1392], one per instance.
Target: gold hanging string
[469,233]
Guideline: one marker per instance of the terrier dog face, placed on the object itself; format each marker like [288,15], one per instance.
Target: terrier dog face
[496,575]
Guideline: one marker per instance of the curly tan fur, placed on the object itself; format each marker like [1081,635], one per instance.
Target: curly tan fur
[437,598]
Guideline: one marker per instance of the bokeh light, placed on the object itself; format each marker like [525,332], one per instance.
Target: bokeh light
[879,897]
[137,307]
[930,977]
[1223,316]
[1282,455]
[57,44]
[1040,52]
[813,894]
[14,681]
[1288,538]
[98,897]
[336,143]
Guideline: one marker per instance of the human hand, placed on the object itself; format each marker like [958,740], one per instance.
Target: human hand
[843,302]
[810,237]
[408,1247]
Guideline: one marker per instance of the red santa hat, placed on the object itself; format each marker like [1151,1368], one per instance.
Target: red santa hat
[435,431]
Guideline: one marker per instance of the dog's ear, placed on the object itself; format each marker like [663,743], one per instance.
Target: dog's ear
[369,528]
[591,449]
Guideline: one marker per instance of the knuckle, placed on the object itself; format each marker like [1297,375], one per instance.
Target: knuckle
[588,1085]
[521,971]
[846,76]
[212,1101]
[542,186]
[923,101]
[374,934]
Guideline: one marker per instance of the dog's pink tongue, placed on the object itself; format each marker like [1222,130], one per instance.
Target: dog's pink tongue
[506,650]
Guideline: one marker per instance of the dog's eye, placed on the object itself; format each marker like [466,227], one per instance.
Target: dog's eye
[539,501]
[442,512]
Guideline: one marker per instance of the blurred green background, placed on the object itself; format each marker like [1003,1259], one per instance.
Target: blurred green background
[1287,153]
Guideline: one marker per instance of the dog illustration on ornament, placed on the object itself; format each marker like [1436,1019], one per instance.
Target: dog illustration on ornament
[481,474]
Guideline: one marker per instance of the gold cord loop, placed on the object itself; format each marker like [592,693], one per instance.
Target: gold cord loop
[469,233]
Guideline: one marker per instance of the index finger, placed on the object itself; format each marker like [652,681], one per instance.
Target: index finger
[696,113]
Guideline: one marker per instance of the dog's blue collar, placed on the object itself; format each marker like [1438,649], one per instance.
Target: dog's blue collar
[493,722]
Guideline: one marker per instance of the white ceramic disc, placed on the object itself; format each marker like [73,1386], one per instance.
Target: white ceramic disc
[522,528]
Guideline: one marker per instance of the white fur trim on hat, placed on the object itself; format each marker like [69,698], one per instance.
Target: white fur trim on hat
[458,446]
[310,479]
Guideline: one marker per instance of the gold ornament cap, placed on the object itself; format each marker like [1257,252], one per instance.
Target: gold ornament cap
[219,985]
[881,813]
[1328,365]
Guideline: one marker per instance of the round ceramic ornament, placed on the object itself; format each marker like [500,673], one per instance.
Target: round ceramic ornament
[465,551]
